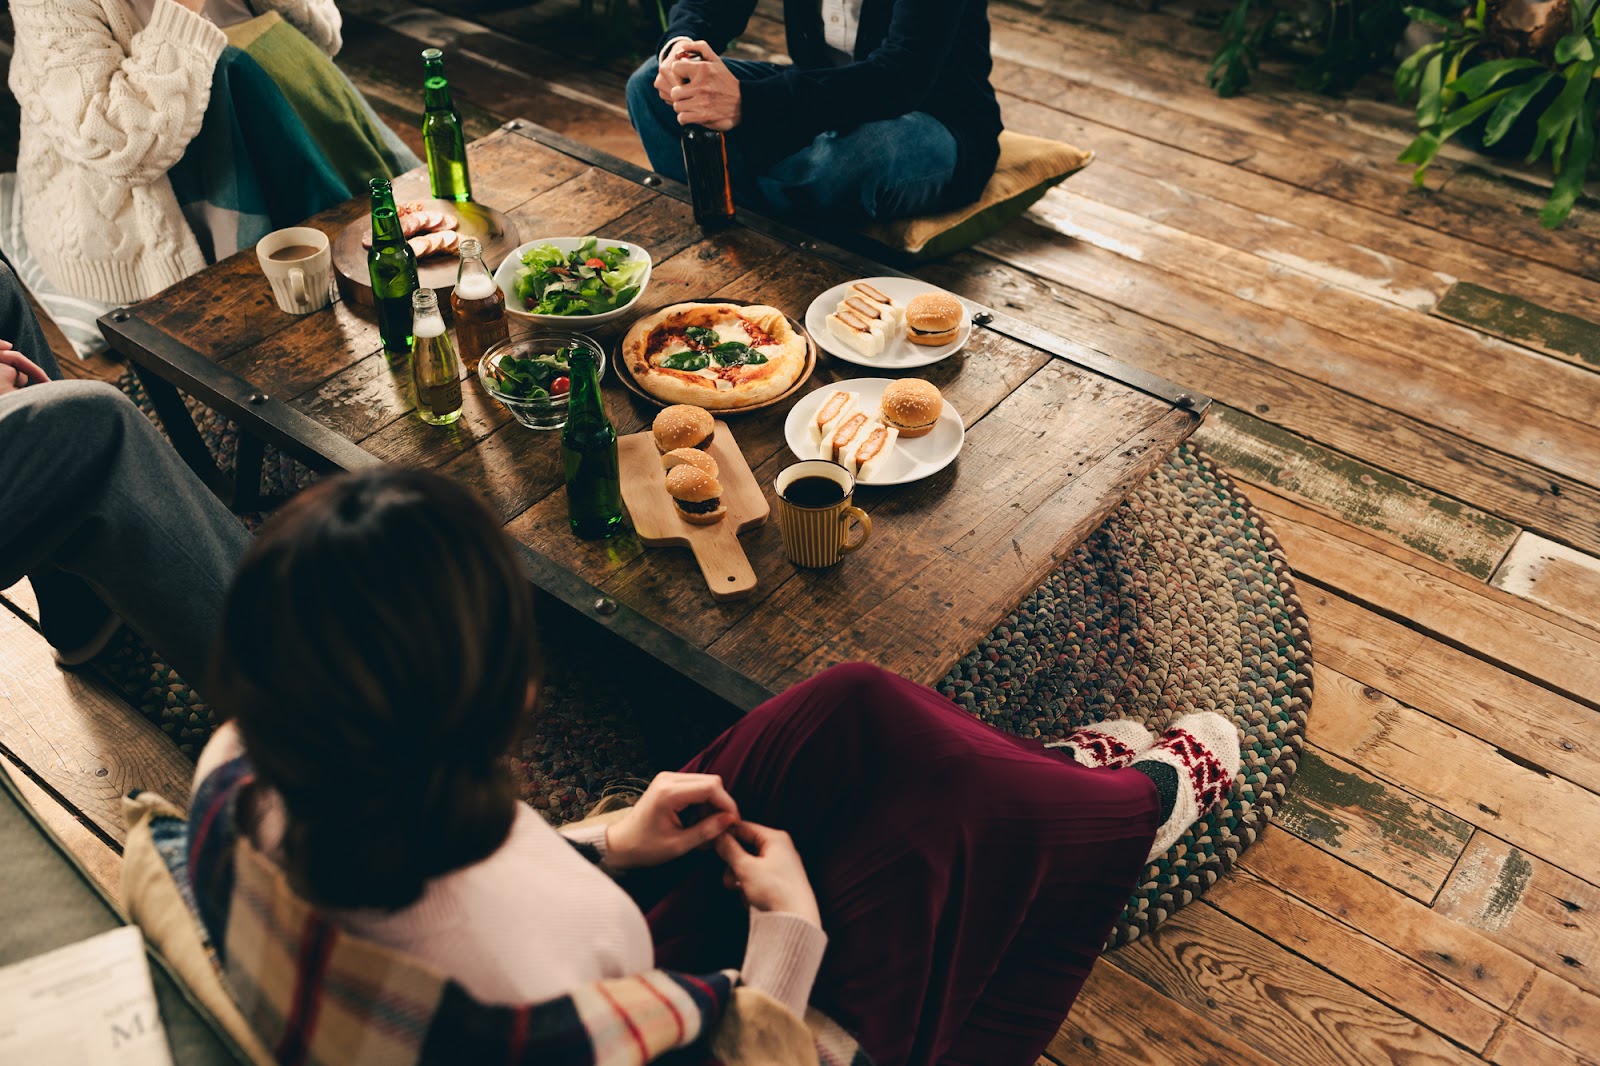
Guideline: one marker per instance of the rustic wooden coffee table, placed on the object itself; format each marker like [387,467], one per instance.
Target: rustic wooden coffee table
[1057,435]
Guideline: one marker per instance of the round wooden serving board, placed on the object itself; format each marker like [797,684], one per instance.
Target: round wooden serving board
[657,522]
[625,375]
[497,232]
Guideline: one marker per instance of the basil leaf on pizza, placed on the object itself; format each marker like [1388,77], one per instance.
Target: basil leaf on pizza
[735,353]
[700,337]
[738,355]
[687,361]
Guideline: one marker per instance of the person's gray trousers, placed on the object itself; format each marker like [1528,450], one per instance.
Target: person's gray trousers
[88,486]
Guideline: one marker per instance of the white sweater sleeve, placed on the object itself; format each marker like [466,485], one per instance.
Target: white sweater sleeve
[126,116]
[319,20]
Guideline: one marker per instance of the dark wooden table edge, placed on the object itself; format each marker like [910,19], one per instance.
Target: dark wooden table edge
[864,265]
[325,450]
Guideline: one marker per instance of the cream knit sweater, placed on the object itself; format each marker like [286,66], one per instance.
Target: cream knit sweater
[108,107]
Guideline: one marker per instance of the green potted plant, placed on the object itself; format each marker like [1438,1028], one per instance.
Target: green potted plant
[1518,66]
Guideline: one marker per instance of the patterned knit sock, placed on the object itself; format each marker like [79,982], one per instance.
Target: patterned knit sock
[1202,752]
[1115,743]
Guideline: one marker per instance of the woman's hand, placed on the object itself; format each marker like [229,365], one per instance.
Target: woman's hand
[706,93]
[17,370]
[764,866]
[655,831]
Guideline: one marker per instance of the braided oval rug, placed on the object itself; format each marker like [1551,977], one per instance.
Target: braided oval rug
[1181,601]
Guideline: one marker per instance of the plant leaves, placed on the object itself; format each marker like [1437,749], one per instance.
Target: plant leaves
[1569,179]
[1481,78]
[1430,105]
[1555,125]
[1433,18]
[1461,117]
[1421,152]
[1574,46]
[1410,72]
[700,337]
[1512,105]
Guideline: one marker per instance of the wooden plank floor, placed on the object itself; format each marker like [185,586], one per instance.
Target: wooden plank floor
[1408,385]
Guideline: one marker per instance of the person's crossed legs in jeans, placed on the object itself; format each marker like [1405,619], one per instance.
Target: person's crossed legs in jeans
[887,169]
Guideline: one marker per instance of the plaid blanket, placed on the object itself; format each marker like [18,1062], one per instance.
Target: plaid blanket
[320,997]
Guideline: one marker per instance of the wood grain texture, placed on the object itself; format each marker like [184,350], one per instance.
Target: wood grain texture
[1473,616]
[1560,1010]
[1522,1045]
[1360,959]
[1467,957]
[1542,913]
[99,858]
[1409,448]
[1118,1021]
[1561,578]
[1539,729]
[1521,321]
[1402,840]
[77,736]
[1545,815]
[1234,976]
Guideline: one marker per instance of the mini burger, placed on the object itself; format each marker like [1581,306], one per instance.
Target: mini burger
[683,426]
[697,494]
[933,318]
[912,406]
[689,457]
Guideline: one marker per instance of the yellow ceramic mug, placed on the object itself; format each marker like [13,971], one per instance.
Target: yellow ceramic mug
[814,513]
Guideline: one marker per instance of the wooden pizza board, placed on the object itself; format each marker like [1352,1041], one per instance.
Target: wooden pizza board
[497,232]
[657,523]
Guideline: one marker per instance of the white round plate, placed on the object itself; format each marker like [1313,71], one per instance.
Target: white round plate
[898,353]
[505,275]
[912,460]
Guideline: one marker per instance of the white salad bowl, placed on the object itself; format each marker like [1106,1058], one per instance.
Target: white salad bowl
[505,276]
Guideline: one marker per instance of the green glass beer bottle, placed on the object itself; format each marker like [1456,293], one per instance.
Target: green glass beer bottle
[442,138]
[393,268]
[589,451]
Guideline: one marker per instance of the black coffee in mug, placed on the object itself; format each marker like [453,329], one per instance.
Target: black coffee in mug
[813,492]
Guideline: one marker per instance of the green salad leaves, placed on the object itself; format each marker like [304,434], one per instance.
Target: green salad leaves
[537,378]
[590,280]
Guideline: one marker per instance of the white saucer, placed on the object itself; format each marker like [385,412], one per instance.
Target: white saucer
[912,460]
[898,353]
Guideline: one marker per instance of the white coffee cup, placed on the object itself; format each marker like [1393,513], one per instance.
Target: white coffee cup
[298,264]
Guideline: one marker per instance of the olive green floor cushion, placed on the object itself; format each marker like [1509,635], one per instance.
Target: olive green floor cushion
[1029,167]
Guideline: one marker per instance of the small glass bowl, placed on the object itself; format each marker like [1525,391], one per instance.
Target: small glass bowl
[550,412]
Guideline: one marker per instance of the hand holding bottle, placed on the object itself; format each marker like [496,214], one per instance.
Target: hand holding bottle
[706,93]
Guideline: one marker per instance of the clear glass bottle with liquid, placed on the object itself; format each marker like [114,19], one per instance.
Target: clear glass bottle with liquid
[435,370]
[392,266]
[589,453]
[442,137]
[478,305]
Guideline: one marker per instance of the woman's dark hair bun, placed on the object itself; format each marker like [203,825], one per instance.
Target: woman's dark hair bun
[378,651]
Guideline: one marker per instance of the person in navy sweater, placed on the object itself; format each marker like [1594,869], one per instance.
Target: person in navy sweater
[886,111]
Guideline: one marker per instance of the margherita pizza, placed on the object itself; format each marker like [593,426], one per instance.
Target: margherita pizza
[714,355]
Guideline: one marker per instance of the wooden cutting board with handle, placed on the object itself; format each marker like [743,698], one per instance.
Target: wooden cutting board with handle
[656,518]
